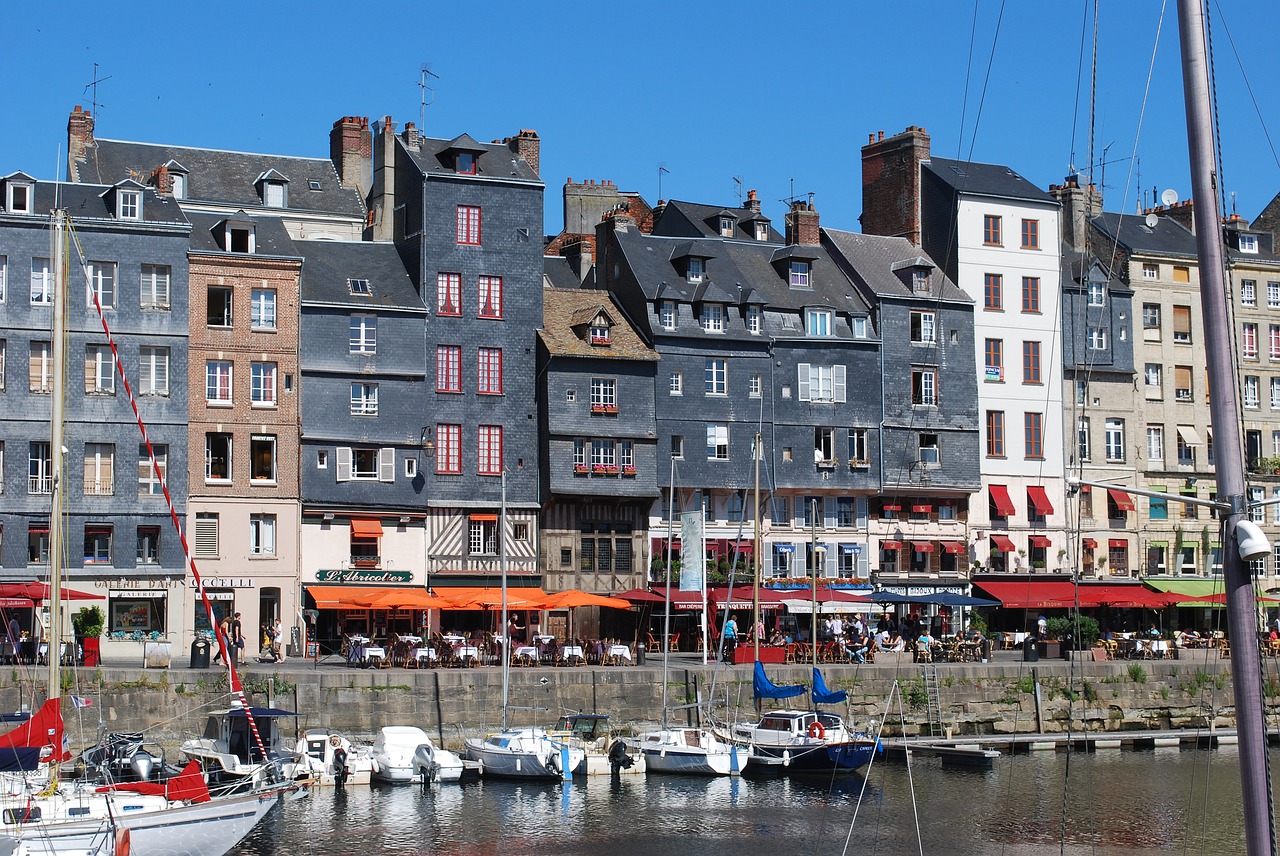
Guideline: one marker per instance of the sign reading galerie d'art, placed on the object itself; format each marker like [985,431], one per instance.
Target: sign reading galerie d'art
[351,575]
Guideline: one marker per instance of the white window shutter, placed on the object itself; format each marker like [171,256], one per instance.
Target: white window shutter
[803,381]
[387,464]
[838,374]
[344,463]
[829,515]
[829,560]
[861,512]
[864,566]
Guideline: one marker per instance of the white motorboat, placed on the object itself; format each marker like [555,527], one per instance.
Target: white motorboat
[804,741]
[689,751]
[524,753]
[316,749]
[603,753]
[230,754]
[403,753]
[433,764]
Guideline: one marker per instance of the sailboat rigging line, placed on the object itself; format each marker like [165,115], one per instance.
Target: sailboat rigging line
[228,656]
[968,72]
[895,692]
[991,59]
[1247,85]
[1075,113]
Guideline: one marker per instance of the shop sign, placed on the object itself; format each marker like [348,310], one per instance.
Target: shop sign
[138,594]
[222,582]
[350,575]
[144,584]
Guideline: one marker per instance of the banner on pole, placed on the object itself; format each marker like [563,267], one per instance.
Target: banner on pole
[693,551]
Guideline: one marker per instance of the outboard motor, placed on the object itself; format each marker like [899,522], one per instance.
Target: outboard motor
[618,758]
[142,765]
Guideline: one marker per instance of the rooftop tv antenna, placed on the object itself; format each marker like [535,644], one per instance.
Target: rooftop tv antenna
[426,100]
[737,189]
[662,168]
[92,86]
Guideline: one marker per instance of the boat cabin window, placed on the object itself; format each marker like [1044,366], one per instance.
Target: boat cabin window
[776,723]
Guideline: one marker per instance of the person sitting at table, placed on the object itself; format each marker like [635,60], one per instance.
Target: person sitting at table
[857,648]
[888,641]
[1153,631]
[777,638]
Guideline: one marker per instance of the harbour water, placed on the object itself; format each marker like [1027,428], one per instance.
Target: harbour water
[1103,804]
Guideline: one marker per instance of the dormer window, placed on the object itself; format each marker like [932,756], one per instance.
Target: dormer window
[19,194]
[920,282]
[178,185]
[466,163]
[713,318]
[600,333]
[817,322]
[753,320]
[726,227]
[697,269]
[1248,243]
[762,231]
[273,188]
[239,236]
[360,287]
[129,204]
[799,274]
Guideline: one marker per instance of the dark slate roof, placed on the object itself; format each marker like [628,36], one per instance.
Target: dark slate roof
[270,236]
[1075,270]
[565,312]
[985,179]
[691,220]
[872,261]
[328,265]
[493,160]
[93,201]
[224,178]
[741,272]
[559,273]
[1167,238]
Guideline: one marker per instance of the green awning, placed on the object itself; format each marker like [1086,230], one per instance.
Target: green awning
[1189,587]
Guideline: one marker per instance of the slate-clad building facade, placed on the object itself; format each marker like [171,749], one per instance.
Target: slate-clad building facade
[120,540]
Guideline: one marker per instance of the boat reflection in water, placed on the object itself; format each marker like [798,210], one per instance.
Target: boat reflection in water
[1189,801]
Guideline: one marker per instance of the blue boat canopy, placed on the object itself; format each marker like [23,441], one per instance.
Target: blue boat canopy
[823,694]
[765,688]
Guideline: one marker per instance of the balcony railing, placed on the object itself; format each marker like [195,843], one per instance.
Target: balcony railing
[39,484]
[366,561]
[99,487]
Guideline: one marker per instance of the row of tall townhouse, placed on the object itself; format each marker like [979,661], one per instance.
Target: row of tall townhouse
[389,348]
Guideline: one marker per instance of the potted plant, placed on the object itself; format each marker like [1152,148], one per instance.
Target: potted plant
[87,624]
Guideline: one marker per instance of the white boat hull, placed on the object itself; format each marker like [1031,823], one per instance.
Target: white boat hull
[526,753]
[675,752]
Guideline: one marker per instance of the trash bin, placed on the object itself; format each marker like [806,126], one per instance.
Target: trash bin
[986,650]
[640,646]
[200,654]
[1030,654]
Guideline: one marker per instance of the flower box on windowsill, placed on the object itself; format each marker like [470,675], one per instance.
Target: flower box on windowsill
[600,340]
[581,468]
[604,408]
[859,465]
[364,563]
[827,464]
[604,470]
[628,471]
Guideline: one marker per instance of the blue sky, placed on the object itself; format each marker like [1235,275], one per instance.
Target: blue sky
[714,92]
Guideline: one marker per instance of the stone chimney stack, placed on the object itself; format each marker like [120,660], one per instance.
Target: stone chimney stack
[527,146]
[162,181]
[753,202]
[1079,206]
[802,224]
[891,183]
[351,150]
[581,255]
[79,138]
[1180,212]
[412,137]
[382,196]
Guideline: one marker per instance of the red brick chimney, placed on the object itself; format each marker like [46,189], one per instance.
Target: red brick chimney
[351,150]
[753,202]
[79,137]
[802,224]
[527,146]
[891,183]
[1180,212]
[162,181]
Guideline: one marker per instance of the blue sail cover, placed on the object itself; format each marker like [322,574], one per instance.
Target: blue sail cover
[822,694]
[765,688]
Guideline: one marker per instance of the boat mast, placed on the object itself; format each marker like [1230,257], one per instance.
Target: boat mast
[813,577]
[1259,825]
[666,612]
[502,566]
[57,256]
[755,554]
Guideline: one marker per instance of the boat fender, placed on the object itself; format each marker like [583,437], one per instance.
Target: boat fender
[122,842]
[817,731]
[786,757]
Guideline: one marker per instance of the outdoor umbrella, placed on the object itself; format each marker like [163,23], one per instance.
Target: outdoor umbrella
[573,598]
[40,591]
[891,597]
[638,596]
[948,598]
[404,599]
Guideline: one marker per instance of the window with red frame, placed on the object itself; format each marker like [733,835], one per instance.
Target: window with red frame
[490,449]
[448,448]
[448,294]
[469,224]
[490,297]
[448,368]
[489,374]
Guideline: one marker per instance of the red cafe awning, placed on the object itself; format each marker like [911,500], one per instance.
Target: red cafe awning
[1123,501]
[891,545]
[953,547]
[1089,543]
[1030,594]
[366,527]
[680,599]
[891,507]
[16,603]
[1118,542]
[921,509]
[1038,541]
[1000,498]
[40,591]
[922,546]
[1123,596]
[1040,500]
[1002,543]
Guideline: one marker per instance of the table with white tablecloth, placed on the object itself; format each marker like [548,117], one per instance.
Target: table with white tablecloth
[572,653]
[618,654]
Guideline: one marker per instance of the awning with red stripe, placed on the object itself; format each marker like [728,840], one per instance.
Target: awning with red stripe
[1040,500]
[953,547]
[922,546]
[1028,594]
[1002,543]
[1000,498]
[1123,501]
[1038,541]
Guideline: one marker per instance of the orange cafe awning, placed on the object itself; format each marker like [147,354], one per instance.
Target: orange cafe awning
[1038,541]
[1002,543]
[1040,500]
[1000,498]
[922,546]
[343,597]
[1123,501]
[366,527]
[490,597]
[953,546]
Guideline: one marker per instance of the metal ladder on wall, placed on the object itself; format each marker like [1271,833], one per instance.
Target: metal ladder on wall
[933,704]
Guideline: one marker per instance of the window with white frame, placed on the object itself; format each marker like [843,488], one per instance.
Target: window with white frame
[859,328]
[39,468]
[262,384]
[1257,514]
[1097,293]
[1248,292]
[1273,342]
[99,469]
[150,478]
[1273,295]
[922,328]
[1251,391]
[798,273]
[1114,439]
[218,306]
[712,318]
[753,320]
[604,394]
[715,377]
[129,204]
[603,454]
[924,387]
[263,309]
[262,458]
[4,352]
[579,453]
[148,545]
[154,292]
[217,381]
[41,283]
[667,314]
[696,270]
[99,371]
[356,463]
[627,455]
[1249,341]
[824,446]
[675,383]
[482,536]
[930,453]
[717,442]
[364,399]
[1097,338]
[817,322]
[4,277]
[755,383]
[1150,271]
[102,285]
[762,230]
[1083,444]
[153,370]
[821,383]
[1275,393]
[726,227]
[858,453]
[363,338]
[262,534]
[1152,375]
[1155,443]
[20,197]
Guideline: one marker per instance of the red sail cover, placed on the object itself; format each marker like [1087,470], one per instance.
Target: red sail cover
[41,730]
[187,785]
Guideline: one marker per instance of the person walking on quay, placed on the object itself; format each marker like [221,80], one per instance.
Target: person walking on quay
[237,639]
[277,641]
[730,638]
[224,631]
[1042,627]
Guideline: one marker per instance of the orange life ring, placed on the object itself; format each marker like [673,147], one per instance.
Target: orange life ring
[122,842]
[817,731]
